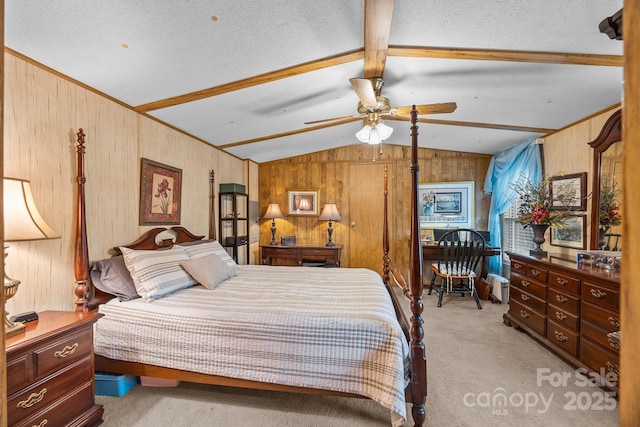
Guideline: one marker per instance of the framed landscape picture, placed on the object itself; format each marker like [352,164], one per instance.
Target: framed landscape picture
[573,235]
[446,204]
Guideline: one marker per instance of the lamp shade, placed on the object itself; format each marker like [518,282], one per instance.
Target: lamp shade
[22,221]
[374,134]
[273,211]
[330,213]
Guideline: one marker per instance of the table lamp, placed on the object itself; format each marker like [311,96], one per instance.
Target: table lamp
[273,212]
[22,222]
[330,213]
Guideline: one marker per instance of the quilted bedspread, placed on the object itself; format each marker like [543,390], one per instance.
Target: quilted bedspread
[325,328]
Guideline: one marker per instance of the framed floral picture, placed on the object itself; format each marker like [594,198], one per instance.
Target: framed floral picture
[302,202]
[160,193]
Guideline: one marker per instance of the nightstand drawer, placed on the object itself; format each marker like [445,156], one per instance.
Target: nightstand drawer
[41,394]
[67,409]
[281,253]
[62,353]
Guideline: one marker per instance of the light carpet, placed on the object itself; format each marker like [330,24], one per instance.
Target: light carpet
[480,373]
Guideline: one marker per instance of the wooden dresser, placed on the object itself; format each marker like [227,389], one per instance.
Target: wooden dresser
[50,372]
[569,308]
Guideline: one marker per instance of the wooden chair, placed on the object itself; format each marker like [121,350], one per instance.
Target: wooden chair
[456,262]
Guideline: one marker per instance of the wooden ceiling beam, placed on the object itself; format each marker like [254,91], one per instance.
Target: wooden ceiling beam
[507,55]
[289,133]
[283,73]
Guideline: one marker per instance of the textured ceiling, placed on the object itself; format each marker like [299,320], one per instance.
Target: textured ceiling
[143,53]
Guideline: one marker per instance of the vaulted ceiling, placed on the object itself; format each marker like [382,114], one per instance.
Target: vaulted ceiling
[245,76]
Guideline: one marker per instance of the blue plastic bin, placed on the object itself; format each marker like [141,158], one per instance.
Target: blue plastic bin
[114,385]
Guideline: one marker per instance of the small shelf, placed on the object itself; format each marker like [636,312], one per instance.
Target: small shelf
[234,223]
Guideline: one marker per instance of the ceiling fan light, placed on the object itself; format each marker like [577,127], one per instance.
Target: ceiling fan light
[374,138]
[384,131]
[364,134]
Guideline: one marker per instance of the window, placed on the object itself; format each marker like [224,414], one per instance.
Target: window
[515,238]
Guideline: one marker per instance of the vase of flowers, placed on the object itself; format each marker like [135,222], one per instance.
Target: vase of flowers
[539,210]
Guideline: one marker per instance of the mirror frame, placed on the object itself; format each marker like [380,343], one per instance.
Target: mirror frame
[611,132]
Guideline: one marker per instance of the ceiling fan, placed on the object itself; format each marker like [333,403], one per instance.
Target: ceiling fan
[374,108]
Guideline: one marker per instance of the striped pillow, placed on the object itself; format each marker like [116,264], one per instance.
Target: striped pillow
[157,273]
[204,249]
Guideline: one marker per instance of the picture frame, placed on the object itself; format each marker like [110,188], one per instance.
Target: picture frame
[574,235]
[302,202]
[575,184]
[447,204]
[160,193]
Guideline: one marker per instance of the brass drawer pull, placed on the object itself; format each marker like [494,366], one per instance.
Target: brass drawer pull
[535,272]
[613,344]
[316,252]
[66,351]
[561,299]
[517,265]
[560,315]
[524,297]
[42,423]
[562,281]
[613,368]
[524,314]
[525,283]
[560,336]
[32,399]
[614,322]
[598,293]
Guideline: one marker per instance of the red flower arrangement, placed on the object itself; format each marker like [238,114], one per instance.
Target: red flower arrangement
[536,202]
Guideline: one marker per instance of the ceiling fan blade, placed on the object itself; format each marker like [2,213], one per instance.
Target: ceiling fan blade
[336,119]
[364,89]
[377,28]
[445,107]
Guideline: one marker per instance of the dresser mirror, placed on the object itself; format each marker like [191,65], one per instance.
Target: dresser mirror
[606,228]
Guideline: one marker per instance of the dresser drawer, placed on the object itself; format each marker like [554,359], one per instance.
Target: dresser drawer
[563,337]
[563,317]
[67,409]
[529,285]
[41,394]
[567,302]
[537,273]
[536,304]
[62,353]
[597,358]
[528,317]
[17,373]
[518,266]
[606,319]
[599,335]
[600,295]
[564,282]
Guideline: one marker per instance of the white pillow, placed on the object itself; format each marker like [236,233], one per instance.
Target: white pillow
[210,247]
[208,270]
[157,273]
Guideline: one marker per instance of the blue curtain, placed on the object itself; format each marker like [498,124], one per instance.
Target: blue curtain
[519,161]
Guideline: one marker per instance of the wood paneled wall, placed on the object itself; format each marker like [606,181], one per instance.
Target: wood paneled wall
[43,114]
[328,173]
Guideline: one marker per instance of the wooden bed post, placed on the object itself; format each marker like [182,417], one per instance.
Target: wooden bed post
[385,234]
[81,261]
[418,355]
[212,212]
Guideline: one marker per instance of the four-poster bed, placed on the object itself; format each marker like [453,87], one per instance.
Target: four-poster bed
[390,351]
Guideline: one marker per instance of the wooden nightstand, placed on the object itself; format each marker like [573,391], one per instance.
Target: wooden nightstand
[50,372]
